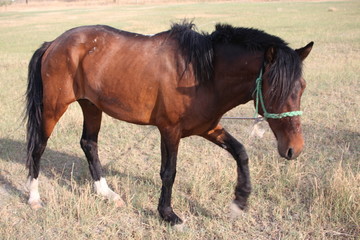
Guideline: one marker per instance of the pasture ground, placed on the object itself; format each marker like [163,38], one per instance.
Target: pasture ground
[314,197]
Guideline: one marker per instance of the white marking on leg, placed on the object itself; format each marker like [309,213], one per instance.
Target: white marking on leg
[102,188]
[33,187]
[235,211]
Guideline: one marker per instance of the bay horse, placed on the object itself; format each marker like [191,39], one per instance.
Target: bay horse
[180,81]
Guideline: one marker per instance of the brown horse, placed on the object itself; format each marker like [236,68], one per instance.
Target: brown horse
[180,80]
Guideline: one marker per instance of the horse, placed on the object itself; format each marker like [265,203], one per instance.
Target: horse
[181,80]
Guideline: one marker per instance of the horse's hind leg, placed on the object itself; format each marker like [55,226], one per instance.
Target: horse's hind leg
[32,184]
[39,132]
[88,142]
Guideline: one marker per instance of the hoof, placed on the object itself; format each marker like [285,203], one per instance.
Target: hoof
[115,198]
[32,186]
[175,220]
[36,205]
[119,203]
[180,227]
[102,189]
[170,217]
[236,211]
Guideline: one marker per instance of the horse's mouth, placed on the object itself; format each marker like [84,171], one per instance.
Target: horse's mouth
[290,152]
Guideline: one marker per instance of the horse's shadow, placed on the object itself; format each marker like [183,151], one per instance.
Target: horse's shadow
[14,151]
[69,167]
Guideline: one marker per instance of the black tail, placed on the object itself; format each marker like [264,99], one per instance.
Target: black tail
[34,106]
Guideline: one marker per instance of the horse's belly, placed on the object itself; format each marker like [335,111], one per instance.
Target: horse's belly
[128,104]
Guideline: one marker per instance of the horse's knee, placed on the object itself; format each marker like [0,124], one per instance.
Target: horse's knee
[241,154]
[237,150]
[243,161]
[168,176]
[82,144]
[88,146]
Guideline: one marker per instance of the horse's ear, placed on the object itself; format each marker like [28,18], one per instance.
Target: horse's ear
[304,52]
[270,55]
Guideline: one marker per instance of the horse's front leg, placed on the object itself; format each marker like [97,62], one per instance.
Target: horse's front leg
[222,138]
[169,147]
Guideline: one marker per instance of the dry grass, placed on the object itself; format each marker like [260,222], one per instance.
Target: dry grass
[315,197]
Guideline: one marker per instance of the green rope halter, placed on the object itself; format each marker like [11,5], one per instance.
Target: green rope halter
[259,97]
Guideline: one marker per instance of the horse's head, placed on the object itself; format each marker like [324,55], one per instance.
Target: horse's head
[283,87]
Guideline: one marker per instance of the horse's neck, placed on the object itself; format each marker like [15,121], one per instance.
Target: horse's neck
[234,76]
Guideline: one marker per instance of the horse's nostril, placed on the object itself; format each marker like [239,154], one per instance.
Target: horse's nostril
[290,153]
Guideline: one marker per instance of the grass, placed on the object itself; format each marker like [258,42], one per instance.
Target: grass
[314,197]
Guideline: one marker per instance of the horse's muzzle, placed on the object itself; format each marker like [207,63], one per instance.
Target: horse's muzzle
[292,149]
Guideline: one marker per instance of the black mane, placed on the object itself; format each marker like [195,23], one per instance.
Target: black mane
[249,38]
[197,49]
